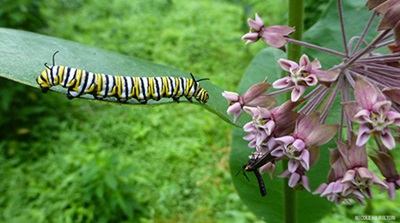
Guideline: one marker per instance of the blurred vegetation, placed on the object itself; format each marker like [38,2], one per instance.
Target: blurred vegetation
[83,161]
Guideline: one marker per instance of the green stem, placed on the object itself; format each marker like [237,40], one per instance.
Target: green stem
[295,20]
[296,11]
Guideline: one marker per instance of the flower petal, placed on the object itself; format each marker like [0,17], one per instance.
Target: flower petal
[283,30]
[351,108]
[278,152]
[231,96]
[362,116]
[251,37]
[256,24]
[249,137]
[305,182]
[297,92]
[393,93]
[234,108]
[327,76]
[287,64]
[349,176]
[364,173]
[299,145]
[254,91]
[328,189]
[273,39]
[382,107]
[283,82]
[391,190]
[284,140]
[363,135]
[249,127]
[311,80]
[305,62]
[236,115]
[263,101]
[320,189]
[365,93]
[305,159]
[292,165]
[321,135]
[316,64]
[387,139]
[394,117]
[294,178]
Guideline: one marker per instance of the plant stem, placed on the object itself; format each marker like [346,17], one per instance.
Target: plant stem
[296,11]
[296,20]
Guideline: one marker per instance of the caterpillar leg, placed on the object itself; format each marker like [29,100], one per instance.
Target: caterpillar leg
[45,89]
[189,99]
[123,100]
[72,94]
[94,93]
[95,96]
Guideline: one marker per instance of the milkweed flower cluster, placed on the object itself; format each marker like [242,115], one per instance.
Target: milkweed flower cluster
[367,86]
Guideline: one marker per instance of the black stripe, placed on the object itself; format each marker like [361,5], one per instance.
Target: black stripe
[65,77]
[126,88]
[51,74]
[68,70]
[86,75]
[144,92]
[171,86]
[157,90]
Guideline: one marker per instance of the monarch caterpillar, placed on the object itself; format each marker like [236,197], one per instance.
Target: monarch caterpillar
[80,82]
[255,162]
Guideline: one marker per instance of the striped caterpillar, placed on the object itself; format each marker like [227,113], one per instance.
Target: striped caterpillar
[80,82]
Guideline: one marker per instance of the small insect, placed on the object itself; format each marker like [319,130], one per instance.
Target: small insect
[80,82]
[256,161]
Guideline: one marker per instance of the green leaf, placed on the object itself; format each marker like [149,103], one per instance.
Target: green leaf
[310,208]
[22,55]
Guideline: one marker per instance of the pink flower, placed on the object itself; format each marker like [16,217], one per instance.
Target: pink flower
[260,127]
[296,179]
[300,147]
[253,97]
[274,36]
[277,121]
[306,73]
[387,167]
[349,177]
[373,112]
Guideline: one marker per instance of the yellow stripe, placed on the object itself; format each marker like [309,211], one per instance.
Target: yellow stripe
[189,84]
[151,89]
[137,87]
[78,79]
[176,87]
[165,87]
[118,84]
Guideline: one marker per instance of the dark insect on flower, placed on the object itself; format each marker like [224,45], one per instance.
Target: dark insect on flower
[255,162]
[123,88]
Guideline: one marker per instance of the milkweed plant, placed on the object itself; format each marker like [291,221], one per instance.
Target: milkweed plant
[366,83]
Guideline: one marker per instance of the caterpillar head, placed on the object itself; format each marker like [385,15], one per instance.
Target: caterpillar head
[43,80]
[47,78]
[202,95]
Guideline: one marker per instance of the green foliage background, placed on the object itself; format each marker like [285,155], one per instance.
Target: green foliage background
[83,161]
[80,161]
